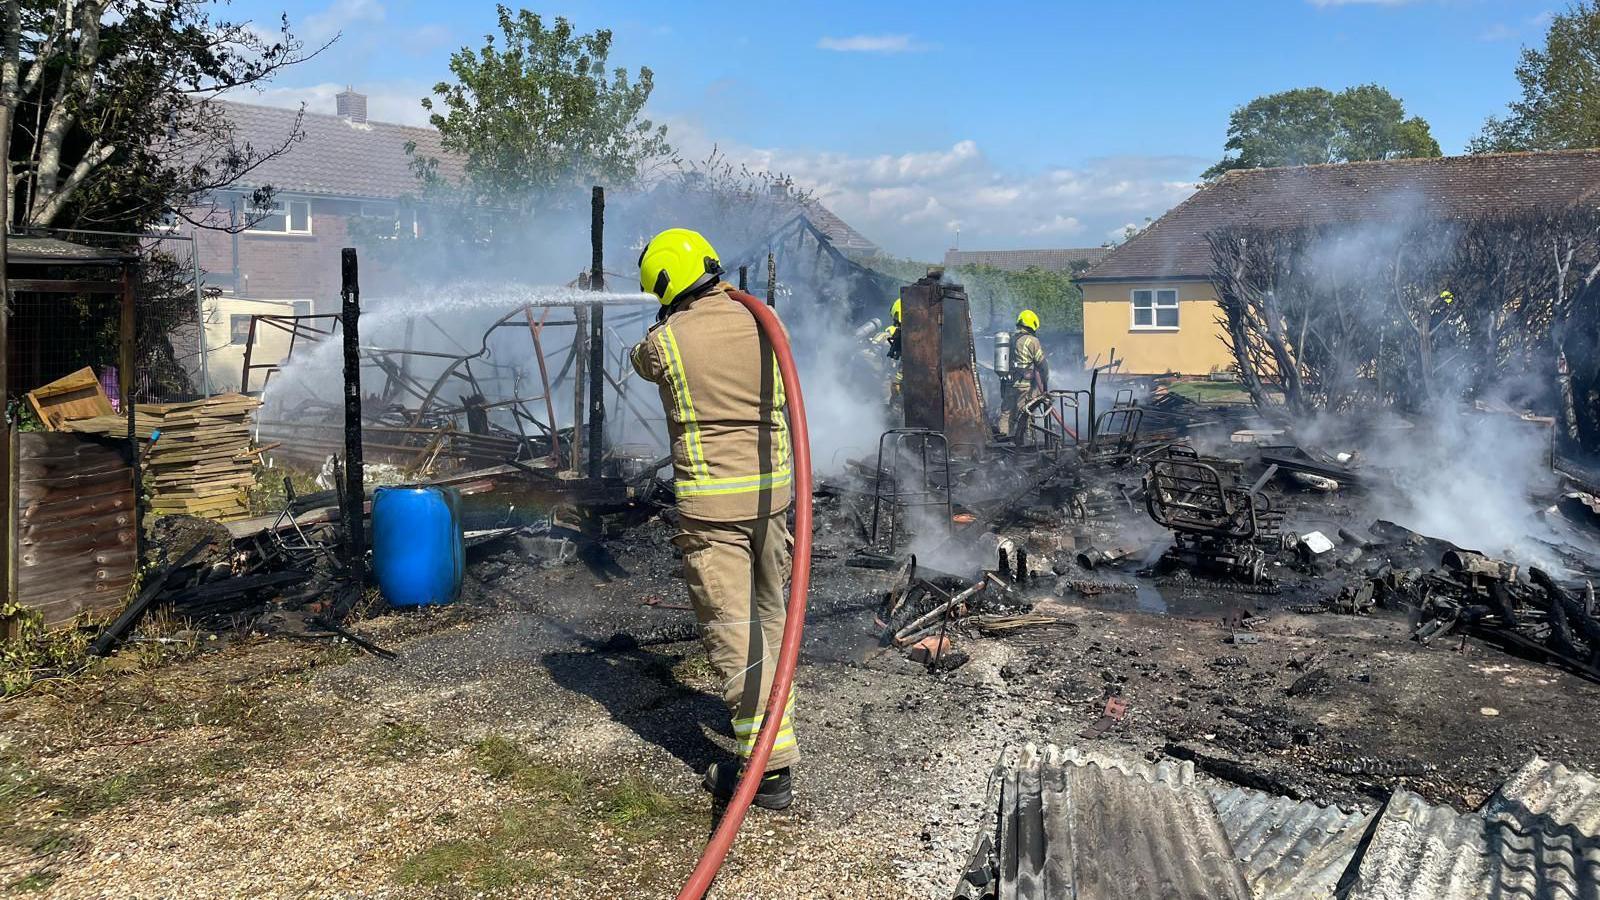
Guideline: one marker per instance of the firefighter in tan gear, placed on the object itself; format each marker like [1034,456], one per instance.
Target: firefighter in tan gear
[1029,379]
[724,402]
[890,338]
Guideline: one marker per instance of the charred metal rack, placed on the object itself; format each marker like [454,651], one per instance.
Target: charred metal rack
[930,492]
[1220,528]
[449,415]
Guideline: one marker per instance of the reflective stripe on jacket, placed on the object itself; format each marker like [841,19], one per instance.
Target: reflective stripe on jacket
[724,401]
[1027,354]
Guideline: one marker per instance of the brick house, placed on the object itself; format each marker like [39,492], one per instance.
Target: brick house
[343,168]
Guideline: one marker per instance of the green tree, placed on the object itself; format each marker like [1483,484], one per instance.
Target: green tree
[535,112]
[1560,105]
[103,115]
[1306,126]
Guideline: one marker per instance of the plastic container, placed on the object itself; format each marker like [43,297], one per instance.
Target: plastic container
[418,554]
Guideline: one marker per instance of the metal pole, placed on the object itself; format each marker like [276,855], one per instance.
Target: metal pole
[200,310]
[772,280]
[580,368]
[597,332]
[355,525]
[744,279]
[126,330]
[7,444]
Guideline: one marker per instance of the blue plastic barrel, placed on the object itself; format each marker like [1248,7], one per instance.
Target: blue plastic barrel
[417,552]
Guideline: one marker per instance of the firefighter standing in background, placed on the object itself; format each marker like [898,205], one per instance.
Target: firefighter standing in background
[891,337]
[723,398]
[1030,376]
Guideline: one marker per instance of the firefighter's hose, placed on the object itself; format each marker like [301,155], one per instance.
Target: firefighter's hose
[705,871]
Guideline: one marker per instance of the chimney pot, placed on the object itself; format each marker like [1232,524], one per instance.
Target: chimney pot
[352,106]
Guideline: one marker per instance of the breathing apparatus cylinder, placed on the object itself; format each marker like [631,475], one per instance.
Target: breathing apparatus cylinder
[870,328]
[1002,353]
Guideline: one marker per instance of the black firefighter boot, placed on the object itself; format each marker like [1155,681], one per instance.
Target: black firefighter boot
[775,792]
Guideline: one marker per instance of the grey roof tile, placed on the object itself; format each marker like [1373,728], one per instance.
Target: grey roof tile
[1174,246]
[335,157]
[1019,260]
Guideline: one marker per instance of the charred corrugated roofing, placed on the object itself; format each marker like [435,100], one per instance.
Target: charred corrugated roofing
[1289,850]
[1549,789]
[1416,850]
[1092,833]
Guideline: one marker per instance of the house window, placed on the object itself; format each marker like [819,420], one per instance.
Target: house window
[1155,308]
[239,328]
[286,217]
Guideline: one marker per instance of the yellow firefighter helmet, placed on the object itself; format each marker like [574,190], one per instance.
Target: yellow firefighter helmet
[678,263]
[1028,319]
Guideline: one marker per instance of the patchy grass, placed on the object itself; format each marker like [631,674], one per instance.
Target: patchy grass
[542,835]
[635,805]
[393,741]
[695,670]
[267,494]
[38,881]
[503,760]
[1210,391]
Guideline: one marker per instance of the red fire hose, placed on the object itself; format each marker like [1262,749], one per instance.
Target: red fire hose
[795,620]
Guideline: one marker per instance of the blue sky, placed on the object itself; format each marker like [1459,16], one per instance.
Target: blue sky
[1021,124]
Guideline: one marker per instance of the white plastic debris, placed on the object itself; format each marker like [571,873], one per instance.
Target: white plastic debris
[1316,482]
[1316,543]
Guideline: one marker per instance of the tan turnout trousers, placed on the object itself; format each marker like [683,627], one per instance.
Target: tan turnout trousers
[736,573]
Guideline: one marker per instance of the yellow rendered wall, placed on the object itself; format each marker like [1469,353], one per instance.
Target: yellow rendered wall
[1194,348]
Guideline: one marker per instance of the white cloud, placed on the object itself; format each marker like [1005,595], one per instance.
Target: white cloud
[912,203]
[873,43]
[340,15]
[386,101]
[1500,31]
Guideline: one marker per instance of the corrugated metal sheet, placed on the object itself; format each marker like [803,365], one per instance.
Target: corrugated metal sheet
[1289,850]
[75,524]
[1168,771]
[1421,852]
[1543,788]
[1093,833]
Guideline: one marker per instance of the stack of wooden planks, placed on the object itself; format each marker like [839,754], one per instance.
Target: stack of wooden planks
[199,462]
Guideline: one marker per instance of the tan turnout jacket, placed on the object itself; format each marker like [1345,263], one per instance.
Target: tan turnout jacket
[724,401]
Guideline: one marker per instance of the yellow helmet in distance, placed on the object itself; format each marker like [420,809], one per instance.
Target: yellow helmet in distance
[1028,319]
[894,311]
[677,263]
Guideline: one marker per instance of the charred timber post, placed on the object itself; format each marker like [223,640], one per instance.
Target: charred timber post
[772,280]
[354,500]
[597,332]
[744,279]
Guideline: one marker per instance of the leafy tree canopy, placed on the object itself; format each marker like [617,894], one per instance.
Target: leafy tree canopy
[1307,126]
[535,112]
[1560,105]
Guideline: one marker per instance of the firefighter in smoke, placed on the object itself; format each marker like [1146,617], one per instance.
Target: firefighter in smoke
[1029,379]
[724,403]
[890,338]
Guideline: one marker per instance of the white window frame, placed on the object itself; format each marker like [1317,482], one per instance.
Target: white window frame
[282,207]
[1161,300]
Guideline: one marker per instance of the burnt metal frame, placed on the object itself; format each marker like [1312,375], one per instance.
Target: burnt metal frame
[925,497]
